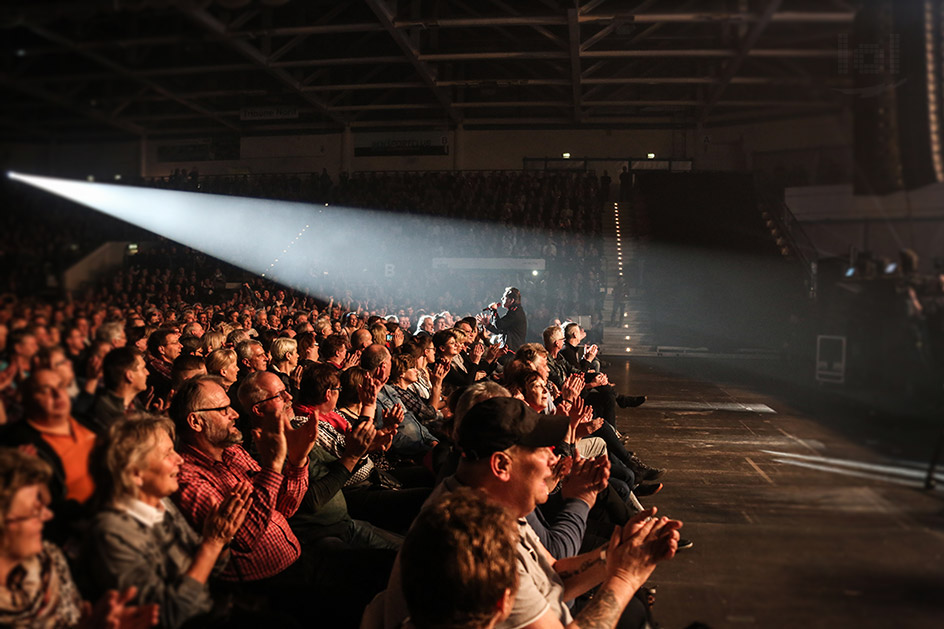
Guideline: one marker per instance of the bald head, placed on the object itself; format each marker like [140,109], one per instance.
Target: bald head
[360,339]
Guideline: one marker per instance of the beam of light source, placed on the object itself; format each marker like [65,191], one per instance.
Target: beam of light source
[304,246]
[886,470]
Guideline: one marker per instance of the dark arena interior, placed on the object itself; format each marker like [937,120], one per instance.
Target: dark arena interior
[701,242]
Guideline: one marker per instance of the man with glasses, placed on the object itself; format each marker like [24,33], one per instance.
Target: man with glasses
[264,549]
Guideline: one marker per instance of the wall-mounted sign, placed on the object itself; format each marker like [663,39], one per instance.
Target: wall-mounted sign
[268,113]
[401,143]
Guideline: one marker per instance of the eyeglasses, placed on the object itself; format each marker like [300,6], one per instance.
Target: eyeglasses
[221,409]
[39,511]
[334,388]
[284,394]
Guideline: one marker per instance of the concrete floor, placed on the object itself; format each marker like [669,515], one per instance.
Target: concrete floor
[806,510]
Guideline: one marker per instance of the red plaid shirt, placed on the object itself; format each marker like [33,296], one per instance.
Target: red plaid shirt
[264,545]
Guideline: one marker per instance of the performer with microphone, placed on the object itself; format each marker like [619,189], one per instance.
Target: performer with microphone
[510,329]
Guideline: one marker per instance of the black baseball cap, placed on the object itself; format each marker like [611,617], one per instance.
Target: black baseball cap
[501,422]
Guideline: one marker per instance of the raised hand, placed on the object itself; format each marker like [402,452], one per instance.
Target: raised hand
[572,387]
[8,374]
[439,373]
[561,470]
[587,478]
[113,612]
[383,439]
[358,440]
[494,352]
[477,351]
[271,446]
[393,416]
[353,359]
[227,516]
[299,441]
[578,412]
[634,550]
[588,427]
[152,403]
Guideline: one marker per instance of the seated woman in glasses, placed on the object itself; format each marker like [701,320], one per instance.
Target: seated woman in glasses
[36,587]
[139,538]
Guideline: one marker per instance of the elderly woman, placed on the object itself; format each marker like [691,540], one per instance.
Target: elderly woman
[140,538]
[36,588]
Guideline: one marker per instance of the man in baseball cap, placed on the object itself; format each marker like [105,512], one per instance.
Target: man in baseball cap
[507,453]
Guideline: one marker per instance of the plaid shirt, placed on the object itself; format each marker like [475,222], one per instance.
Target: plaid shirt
[264,545]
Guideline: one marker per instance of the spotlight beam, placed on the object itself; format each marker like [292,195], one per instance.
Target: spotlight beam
[310,247]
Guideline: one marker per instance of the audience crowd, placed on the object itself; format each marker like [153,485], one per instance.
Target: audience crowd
[187,453]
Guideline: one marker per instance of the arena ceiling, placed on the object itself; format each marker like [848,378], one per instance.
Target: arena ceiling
[110,68]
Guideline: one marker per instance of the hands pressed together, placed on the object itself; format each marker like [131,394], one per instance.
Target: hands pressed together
[636,548]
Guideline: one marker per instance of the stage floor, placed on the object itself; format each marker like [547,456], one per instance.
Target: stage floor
[805,510]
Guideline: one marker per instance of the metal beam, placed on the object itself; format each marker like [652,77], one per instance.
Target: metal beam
[573,30]
[720,53]
[254,55]
[55,99]
[732,67]
[126,73]
[298,39]
[831,17]
[428,76]
[540,29]
[695,103]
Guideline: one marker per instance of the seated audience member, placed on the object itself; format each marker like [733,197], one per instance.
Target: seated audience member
[113,333]
[192,328]
[335,351]
[422,349]
[318,395]
[55,358]
[163,349]
[191,346]
[413,440]
[185,367]
[338,550]
[223,363]
[264,547]
[369,492]
[307,354]
[36,587]
[212,340]
[597,391]
[378,333]
[252,357]
[284,353]
[140,539]
[236,337]
[507,453]
[323,328]
[448,352]
[22,347]
[125,376]
[360,339]
[138,336]
[395,336]
[76,345]
[424,325]
[584,359]
[403,374]
[49,429]
[459,563]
